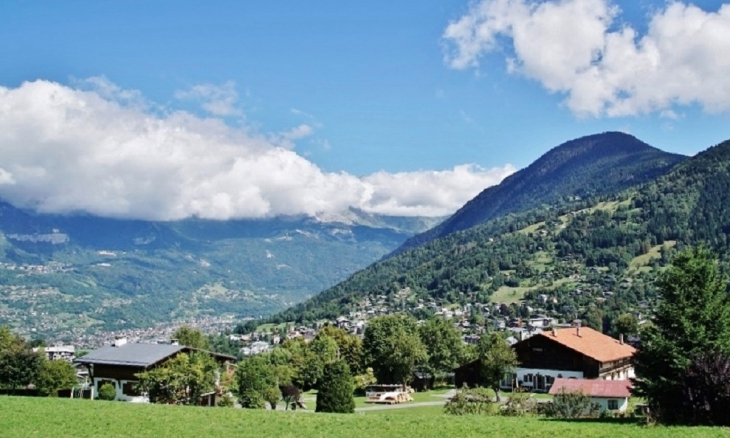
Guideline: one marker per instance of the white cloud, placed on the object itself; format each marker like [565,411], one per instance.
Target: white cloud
[574,47]
[218,100]
[6,177]
[429,193]
[299,132]
[68,150]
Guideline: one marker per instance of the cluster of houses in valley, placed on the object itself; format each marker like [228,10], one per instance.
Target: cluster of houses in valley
[554,360]
[553,357]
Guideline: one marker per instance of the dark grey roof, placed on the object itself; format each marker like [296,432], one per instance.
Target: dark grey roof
[133,355]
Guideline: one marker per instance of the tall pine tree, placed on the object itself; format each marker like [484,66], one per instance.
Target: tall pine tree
[691,321]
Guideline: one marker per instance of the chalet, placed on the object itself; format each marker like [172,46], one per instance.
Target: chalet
[611,395]
[573,353]
[576,352]
[120,362]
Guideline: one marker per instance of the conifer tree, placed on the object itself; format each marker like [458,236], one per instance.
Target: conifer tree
[691,321]
[335,391]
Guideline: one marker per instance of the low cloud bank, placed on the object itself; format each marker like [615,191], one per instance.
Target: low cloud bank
[107,152]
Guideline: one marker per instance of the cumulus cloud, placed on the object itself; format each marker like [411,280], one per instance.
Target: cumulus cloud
[69,150]
[218,100]
[429,193]
[576,48]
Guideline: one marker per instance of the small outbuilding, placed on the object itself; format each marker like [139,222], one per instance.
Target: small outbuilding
[422,381]
[611,395]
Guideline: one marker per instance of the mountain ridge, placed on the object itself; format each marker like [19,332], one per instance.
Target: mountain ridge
[627,161]
[589,259]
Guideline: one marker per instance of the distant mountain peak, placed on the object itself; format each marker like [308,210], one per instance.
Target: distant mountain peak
[587,166]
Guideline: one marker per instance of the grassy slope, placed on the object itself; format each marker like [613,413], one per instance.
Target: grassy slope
[23,417]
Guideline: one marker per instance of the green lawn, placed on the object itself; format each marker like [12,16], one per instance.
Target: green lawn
[47,417]
[654,253]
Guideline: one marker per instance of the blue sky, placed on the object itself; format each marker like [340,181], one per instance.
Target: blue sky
[381,92]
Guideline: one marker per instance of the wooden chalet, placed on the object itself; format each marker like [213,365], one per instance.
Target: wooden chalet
[119,363]
[571,353]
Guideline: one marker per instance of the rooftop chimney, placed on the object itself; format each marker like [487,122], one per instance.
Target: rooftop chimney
[621,339]
[119,341]
[577,329]
[555,332]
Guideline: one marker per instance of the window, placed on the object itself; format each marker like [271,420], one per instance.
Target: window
[130,389]
[613,405]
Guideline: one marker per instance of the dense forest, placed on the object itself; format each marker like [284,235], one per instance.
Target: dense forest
[594,258]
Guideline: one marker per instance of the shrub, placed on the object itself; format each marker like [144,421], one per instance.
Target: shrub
[574,404]
[466,401]
[252,399]
[272,395]
[107,392]
[335,391]
[225,401]
[364,380]
[518,405]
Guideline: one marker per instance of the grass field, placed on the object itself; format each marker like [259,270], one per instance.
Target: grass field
[654,253]
[509,295]
[47,417]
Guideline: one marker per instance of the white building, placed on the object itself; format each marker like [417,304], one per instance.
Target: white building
[610,395]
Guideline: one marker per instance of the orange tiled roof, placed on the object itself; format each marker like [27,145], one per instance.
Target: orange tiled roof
[591,343]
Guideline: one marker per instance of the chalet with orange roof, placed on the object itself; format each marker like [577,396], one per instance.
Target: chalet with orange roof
[569,353]
[573,353]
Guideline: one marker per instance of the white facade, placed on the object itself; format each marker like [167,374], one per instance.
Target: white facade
[614,404]
[119,387]
[535,379]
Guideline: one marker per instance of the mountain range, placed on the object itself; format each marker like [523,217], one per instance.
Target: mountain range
[563,236]
[62,275]
[593,252]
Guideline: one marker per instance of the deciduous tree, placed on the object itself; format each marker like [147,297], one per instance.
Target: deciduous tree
[255,378]
[349,346]
[191,337]
[55,375]
[497,359]
[19,365]
[443,344]
[181,380]
[393,348]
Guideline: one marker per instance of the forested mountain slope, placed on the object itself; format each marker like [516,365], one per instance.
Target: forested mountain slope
[592,259]
[590,166]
